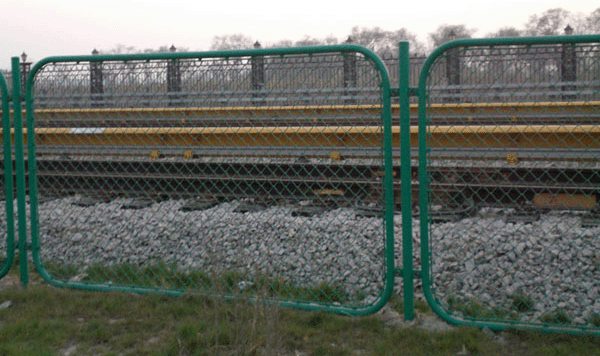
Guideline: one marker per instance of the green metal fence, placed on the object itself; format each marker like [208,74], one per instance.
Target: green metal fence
[270,174]
[511,155]
[7,228]
[240,173]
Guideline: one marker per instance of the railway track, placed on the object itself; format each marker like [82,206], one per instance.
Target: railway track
[153,153]
[538,113]
[322,185]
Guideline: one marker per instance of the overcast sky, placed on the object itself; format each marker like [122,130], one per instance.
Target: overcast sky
[43,28]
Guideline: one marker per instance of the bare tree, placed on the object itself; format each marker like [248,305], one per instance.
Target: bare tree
[124,49]
[382,41]
[505,32]
[373,38]
[165,49]
[120,49]
[550,23]
[591,25]
[330,40]
[231,42]
[281,43]
[308,41]
[445,33]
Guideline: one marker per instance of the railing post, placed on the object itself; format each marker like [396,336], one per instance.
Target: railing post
[453,71]
[96,82]
[20,168]
[173,79]
[349,75]
[258,77]
[406,178]
[568,67]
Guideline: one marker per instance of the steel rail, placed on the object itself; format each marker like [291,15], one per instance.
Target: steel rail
[294,180]
[276,111]
[345,138]
[334,153]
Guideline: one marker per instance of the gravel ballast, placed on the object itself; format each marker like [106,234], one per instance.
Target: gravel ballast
[530,271]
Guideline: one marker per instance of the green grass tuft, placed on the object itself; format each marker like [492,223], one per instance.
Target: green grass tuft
[595,320]
[522,303]
[558,317]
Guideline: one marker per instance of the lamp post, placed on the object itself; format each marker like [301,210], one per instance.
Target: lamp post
[568,30]
[25,68]
[451,35]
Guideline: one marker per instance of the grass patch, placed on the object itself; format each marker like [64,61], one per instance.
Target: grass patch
[397,303]
[45,320]
[166,277]
[473,310]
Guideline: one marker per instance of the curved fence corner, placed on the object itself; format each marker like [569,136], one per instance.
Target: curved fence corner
[509,143]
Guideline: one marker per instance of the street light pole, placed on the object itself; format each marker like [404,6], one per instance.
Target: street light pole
[25,68]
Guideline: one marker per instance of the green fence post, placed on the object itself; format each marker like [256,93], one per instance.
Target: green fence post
[20,170]
[405,174]
[8,181]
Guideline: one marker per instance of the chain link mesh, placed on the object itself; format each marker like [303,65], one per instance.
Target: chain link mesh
[512,180]
[228,175]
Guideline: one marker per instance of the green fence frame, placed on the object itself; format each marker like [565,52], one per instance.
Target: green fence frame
[386,149]
[8,179]
[425,221]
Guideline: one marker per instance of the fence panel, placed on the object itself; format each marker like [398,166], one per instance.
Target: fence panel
[262,172]
[7,230]
[509,179]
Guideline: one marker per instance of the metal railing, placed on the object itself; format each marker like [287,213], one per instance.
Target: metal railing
[211,81]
